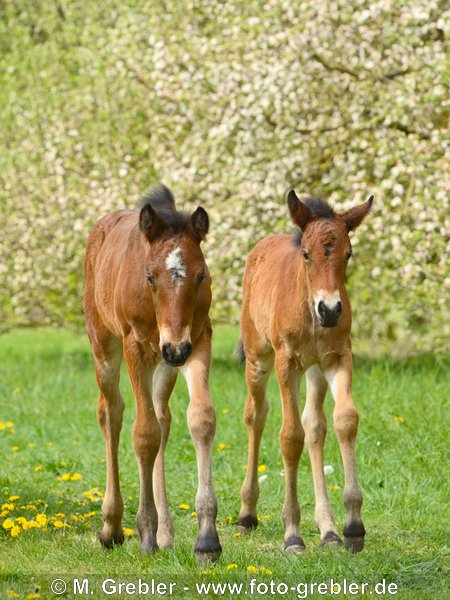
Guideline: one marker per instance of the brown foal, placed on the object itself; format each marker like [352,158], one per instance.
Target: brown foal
[296,315]
[147,298]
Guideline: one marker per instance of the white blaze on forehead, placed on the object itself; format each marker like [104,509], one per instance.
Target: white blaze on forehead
[175,264]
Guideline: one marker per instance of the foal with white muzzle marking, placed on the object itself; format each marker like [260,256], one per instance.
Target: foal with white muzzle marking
[147,297]
[296,315]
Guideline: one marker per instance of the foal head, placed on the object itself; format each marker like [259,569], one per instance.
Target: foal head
[175,270]
[326,250]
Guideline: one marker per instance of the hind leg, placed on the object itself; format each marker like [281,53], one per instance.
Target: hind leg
[255,412]
[345,418]
[164,379]
[108,357]
[315,425]
[291,442]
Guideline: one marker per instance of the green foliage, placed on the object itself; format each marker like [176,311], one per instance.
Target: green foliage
[230,104]
[48,397]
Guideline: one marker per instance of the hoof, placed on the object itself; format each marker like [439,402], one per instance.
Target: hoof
[109,541]
[331,540]
[148,547]
[354,544]
[208,548]
[207,558]
[247,524]
[294,545]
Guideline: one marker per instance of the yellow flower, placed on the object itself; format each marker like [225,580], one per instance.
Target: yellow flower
[184,506]
[8,524]
[193,513]
[9,424]
[31,445]
[32,596]
[60,515]
[15,448]
[237,534]
[4,513]
[333,488]
[15,531]
[65,477]
[265,571]
[12,594]
[399,419]
[29,525]
[251,569]
[75,477]
[58,524]
[7,506]
[41,520]
[128,532]
[21,520]
[2,426]
[231,567]
[225,411]
[16,390]
[221,447]
[50,444]
[38,468]
[267,516]
[262,468]
[13,498]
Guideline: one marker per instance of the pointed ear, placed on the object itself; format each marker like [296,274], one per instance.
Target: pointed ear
[300,213]
[354,217]
[149,222]
[200,222]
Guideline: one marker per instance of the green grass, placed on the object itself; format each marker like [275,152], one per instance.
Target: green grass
[48,390]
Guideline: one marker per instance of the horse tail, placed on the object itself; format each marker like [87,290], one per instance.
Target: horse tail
[240,352]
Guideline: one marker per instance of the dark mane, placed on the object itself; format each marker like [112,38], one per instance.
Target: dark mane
[319,208]
[162,201]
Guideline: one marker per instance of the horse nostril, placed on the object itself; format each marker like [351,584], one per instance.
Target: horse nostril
[321,308]
[185,350]
[166,352]
[338,309]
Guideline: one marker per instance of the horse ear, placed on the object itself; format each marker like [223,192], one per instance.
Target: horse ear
[148,222]
[300,213]
[354,217]
[200,222]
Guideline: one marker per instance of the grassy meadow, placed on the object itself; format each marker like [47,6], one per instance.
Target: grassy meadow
[52,473]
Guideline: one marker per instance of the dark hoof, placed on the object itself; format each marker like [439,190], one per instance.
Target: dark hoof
[109,542]
[354,544]
[331,540]
[294,545]
[247,524]
[208,548]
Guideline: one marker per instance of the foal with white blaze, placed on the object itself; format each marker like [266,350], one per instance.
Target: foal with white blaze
[296,315]
[147,297]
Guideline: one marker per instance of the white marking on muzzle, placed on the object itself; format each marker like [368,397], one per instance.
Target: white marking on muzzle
[175,264]
[330,299]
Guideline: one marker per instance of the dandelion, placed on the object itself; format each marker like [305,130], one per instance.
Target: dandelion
[59,524]
[31,445]
[2,426]
[16,390]
[262,468]
[75,477]
[15,531]
[232,567]
[41,520]
[328,469]
[38,468]
[262,478]
[266,517]
[50,444]
[398,419]
[9,424]
[184,506]
[221,447]
[333,488]
[193,513]
[225,411]
[237,534]
[4,513]
[21,520]
[29,525]
[265,571]
[34,596]
[12,594]
[13,498]
[8,506]
[15,448]
[252,569]
[127,532]
[8,524]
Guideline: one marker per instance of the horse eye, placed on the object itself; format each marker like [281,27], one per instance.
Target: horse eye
[201,276]
[348,255]
[306,256]
[150,279]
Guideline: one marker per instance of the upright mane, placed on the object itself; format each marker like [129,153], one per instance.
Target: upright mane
[319,208]
[162,201]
